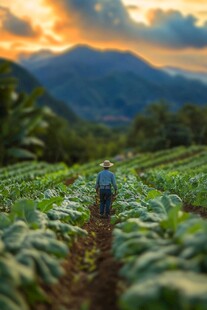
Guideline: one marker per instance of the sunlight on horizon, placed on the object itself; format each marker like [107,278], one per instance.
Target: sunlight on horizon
[28,27]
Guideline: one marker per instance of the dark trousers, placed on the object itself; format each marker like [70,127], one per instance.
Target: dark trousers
[105,201]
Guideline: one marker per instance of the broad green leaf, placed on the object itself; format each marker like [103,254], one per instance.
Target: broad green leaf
[14,236]
[1,246]
[21,153]
[50,246]
[153,194]
[183,290]
[5,221]
[27,210]
[47,204]
[171,222]
[32,141]
[42,264]
[11,298]
[135,224]
[11,270]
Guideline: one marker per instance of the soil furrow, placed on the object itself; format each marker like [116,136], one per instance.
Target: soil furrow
[91,280]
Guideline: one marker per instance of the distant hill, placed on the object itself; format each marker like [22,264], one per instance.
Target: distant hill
[27,82]
[200,76]
[110,85]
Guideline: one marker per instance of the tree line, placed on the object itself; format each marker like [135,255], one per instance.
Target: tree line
[158,127]
[29,132]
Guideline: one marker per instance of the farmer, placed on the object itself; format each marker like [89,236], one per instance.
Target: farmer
[104,180]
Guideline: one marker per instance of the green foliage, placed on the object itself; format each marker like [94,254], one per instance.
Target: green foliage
[26,210]
[158,127]
[190,185]
[40,133]
[185,290]
[20,121]
[33,243]
[10,298]
[81,143]
[162,249]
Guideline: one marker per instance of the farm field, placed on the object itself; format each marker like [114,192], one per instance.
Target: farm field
[56,253]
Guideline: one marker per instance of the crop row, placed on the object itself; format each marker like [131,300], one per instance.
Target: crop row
[181,171]
[148,160]
[188,163]
[36,180]
[189,184]
[29,172]
[162,249]
[36,235]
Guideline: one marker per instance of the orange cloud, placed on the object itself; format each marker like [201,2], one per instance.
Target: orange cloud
[132,7]
[7,51]
[13,25]
[20,34]
[103,24]
[103,21]
[88,19]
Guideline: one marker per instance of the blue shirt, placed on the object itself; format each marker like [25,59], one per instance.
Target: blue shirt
[105,178]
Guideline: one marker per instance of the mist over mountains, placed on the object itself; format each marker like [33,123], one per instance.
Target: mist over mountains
[110,86]
[201,76]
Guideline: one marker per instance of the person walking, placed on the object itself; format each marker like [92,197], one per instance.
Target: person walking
[104,180]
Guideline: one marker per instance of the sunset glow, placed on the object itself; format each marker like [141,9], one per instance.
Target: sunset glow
[139,8]
[162,32]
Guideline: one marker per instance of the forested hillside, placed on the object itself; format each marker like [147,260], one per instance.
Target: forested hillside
[111,86]
[26,82]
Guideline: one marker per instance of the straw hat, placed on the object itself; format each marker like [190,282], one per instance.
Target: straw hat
[106,164]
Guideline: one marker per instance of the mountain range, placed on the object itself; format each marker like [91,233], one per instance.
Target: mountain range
[110,85]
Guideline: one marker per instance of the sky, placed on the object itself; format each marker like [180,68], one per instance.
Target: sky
[163,32]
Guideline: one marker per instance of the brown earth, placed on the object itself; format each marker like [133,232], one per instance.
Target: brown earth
[70,181]
[197,210]
[91,280]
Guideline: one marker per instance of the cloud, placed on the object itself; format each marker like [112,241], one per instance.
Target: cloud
[203,12]
[100,12]
[92,16]
[14,25]
[132,7]
[171,28]
[18,35]
[108,20]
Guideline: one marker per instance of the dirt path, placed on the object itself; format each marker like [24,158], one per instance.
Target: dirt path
[197,210]
[91,281]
